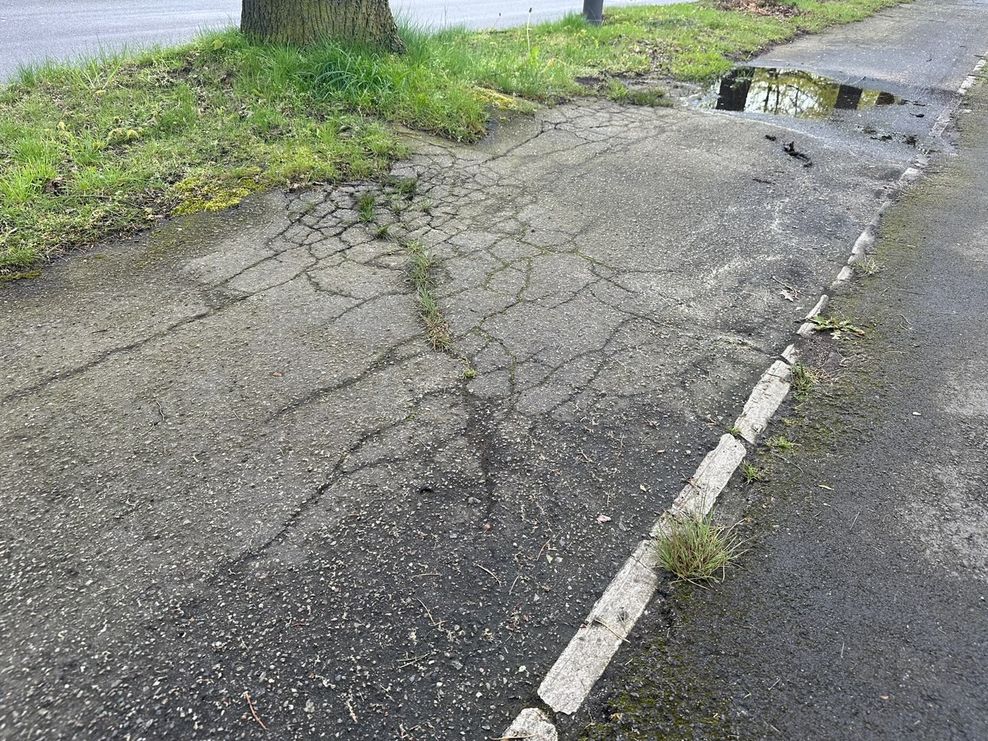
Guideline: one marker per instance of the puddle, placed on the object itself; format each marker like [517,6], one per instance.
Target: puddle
[793,93]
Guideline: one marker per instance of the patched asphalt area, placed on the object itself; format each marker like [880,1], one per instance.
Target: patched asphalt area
[233,464]
[859,610]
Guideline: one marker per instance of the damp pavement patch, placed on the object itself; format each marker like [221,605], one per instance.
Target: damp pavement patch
[234,467]
[876,85]
[860,607]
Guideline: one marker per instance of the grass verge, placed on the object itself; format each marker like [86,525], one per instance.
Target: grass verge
[118,143]
[696,550]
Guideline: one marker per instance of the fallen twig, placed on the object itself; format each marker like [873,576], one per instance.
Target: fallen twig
[794,291]
[495,576]
[616,634]
[253,710]
[415,660]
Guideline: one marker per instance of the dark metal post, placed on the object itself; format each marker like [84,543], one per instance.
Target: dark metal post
[593,11]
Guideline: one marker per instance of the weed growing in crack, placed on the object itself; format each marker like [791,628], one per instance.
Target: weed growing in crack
[803,381]
[868,266]
[751,472]
[650,97]
[470,373]
[780,444]
[382,232]
[735,431]
[825,323]
[404,187]
[436,325]
[366,207]
[696,550]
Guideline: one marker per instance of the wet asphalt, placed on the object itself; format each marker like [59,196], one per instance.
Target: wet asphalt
[244,494]
[861,607]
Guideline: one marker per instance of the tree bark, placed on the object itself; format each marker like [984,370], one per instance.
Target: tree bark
[303,22]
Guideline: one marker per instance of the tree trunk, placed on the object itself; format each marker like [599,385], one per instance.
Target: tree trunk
[302,22]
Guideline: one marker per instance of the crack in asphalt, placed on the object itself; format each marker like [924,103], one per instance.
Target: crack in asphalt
[594,342]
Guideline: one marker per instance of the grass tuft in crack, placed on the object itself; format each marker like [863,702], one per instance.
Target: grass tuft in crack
[838,326]
[367,207]
[751,472]
[696,550]
[437,328]
[803,381]
[780,444]
[869,266]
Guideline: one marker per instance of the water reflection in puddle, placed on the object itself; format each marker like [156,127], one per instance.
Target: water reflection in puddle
[793,93]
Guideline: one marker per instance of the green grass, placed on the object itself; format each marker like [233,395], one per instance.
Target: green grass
[751,473]
[803,381]
[652,96]
[121,142]
[836,325]
[780,444]
[367,207]
[697,550]
[436,326]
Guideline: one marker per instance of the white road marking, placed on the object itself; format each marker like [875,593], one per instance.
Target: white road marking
[807,328]
[700,494]
[765,399]
[531,724]
[844,276]
[584,659]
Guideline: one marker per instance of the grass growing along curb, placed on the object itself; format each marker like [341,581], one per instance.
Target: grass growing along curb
[697,550]
[118,143]
[780,444]
[803,381]
[751,472]
[838,326]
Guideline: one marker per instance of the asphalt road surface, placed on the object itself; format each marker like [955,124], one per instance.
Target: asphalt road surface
[859,609]
[240,487]
[34,30]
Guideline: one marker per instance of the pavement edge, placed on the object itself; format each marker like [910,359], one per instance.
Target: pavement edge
[612,618]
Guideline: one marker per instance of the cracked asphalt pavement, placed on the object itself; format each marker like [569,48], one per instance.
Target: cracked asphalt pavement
[241,487]
[859,610]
